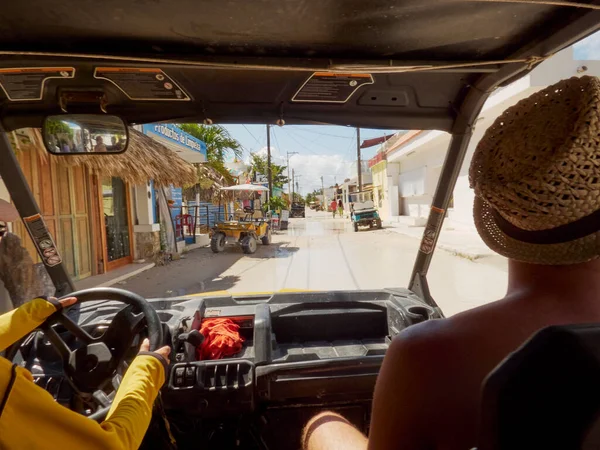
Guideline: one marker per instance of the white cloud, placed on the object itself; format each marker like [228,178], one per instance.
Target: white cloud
[276,157]
[589,48]
[312,167]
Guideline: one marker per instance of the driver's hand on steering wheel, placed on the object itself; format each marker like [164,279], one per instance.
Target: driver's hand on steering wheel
[163,351]
[145,347]
[64,302]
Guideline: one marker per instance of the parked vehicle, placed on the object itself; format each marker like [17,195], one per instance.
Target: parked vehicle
[247,227]
[298,210]
[362,210]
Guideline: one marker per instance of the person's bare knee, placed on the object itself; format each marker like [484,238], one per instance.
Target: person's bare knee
[329,430]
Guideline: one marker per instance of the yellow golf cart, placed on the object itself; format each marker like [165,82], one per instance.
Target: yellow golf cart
[247,227]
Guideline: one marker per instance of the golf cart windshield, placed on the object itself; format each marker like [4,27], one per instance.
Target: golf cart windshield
[169,149]
[429,66]
[362,200]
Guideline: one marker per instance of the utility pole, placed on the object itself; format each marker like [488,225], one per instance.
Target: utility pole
[358,158]
[269,173]
[297,185]
[322,190]
[288,169]
[293,194]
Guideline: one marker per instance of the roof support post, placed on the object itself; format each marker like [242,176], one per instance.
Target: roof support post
[21,195]
[461,135]
[467,111]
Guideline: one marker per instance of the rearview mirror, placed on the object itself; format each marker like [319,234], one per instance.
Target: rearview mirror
[69,134]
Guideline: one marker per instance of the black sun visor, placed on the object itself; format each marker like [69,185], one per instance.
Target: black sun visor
[398,64]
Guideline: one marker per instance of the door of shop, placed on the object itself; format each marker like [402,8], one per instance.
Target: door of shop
[115,206]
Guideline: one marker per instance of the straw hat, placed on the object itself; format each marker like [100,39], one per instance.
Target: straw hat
[8,213]
[536,175]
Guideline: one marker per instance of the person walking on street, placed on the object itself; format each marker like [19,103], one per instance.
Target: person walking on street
[333,207]
[340,208]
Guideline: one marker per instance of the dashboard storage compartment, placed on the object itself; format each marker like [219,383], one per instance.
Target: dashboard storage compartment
[330,322]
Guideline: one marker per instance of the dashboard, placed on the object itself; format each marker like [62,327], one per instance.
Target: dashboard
[302,353]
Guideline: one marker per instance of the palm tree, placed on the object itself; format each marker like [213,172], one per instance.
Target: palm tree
[219,144]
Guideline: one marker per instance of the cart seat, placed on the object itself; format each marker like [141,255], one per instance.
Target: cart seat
[546,395]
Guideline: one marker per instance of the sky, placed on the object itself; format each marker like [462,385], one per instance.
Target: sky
[329,151]
[589,48]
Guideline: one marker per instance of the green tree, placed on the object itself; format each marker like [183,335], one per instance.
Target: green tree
[276,204]
[259,166]
[313,196]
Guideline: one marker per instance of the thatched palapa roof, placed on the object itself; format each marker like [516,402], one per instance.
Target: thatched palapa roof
[145,159]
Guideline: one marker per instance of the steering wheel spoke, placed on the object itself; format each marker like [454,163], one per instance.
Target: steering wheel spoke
[57,342]
[75,329]
[122,331]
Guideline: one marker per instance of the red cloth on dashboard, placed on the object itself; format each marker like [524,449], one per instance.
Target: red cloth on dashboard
[221,339]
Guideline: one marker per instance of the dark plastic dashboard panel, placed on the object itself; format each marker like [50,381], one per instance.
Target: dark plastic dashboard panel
[300,349]
[212,387]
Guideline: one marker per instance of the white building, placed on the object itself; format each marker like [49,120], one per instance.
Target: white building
[407,172]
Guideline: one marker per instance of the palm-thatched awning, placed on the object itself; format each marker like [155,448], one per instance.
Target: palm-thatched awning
[144,160]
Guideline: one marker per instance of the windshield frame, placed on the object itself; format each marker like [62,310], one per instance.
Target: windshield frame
[465,107]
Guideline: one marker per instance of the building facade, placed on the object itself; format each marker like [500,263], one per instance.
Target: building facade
[408,172]
[94,207]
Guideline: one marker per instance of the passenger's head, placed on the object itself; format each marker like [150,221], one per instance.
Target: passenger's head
[99,140]
[536,176]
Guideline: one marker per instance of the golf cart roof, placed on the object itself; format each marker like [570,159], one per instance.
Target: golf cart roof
[246,187]
[248,62]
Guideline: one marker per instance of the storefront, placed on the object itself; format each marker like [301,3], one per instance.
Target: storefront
[63,194]
[182,213]
[89,204]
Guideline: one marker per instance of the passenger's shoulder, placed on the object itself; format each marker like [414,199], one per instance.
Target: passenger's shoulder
[441,339]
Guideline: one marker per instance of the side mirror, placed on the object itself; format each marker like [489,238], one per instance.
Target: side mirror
[76,134]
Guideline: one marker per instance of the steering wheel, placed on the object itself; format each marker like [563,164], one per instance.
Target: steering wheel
[90,367]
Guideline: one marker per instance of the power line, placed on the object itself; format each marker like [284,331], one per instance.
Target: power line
[322,134]
[311,151]
[276,141]
[351,146]
[299,143]
[249,132]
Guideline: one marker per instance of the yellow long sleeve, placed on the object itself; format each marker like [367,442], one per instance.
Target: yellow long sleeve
[131,411]
[29,407]
[17,323]
[31,419]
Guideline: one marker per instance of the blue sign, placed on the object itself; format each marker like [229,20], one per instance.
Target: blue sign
[176,196]
[176,135]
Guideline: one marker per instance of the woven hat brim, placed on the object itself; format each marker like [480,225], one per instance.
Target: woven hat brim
[573,252]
